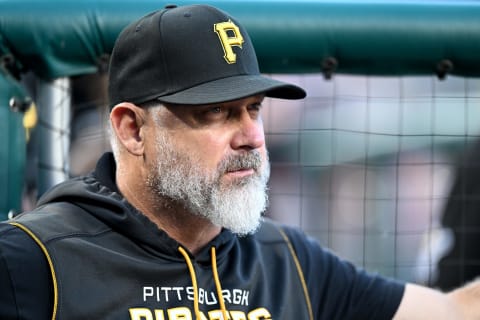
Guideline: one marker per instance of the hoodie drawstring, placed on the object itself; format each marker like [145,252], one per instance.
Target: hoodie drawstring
[194,281]
[216,279]
[217,283]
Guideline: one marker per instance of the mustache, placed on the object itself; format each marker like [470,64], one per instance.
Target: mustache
[250,160]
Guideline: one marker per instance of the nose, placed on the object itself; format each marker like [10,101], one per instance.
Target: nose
[249,133]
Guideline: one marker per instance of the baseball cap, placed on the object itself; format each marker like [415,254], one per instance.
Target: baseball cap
[194,54]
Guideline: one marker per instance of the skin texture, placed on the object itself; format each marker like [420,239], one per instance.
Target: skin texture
[209,132]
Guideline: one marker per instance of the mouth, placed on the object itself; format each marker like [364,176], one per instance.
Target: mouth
[240,173]
[239,169]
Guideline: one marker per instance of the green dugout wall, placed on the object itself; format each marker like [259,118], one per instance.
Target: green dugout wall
[58,39]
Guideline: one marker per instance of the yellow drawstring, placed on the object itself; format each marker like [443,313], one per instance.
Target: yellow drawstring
[217,284]
[195,286]
[194,281]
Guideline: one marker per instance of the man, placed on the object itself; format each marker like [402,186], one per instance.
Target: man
[169,226]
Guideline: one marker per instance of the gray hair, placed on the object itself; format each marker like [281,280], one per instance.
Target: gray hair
[151,107]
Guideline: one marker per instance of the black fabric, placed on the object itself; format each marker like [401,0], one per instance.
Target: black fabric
[174,55]
[26,290]
[104,251]
[338,289]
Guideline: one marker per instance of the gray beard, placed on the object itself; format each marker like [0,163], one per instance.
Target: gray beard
[237,206]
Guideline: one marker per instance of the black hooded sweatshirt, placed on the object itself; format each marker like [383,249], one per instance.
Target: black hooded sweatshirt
[86,253]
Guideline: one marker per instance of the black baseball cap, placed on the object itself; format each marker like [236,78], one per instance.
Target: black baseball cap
[194,54]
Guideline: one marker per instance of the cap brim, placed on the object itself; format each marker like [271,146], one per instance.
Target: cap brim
[233,88]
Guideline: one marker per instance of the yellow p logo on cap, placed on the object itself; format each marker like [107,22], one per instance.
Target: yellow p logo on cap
[236,39]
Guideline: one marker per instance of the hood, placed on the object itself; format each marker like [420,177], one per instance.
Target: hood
[97,195]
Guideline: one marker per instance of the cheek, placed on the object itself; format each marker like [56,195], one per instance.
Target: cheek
[208,149]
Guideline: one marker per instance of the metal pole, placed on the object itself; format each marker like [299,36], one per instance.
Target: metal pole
[54,112]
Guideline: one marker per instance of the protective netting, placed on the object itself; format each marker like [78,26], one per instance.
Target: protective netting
[366,165]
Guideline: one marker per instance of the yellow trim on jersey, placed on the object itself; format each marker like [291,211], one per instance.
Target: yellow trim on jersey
[300,273]
[50,264]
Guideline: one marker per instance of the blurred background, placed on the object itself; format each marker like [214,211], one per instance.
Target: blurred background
[367,166]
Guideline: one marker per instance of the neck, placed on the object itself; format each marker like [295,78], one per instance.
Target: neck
[192,231]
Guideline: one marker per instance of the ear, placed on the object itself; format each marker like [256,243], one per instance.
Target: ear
[127,120]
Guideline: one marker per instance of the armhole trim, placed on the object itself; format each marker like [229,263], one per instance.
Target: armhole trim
[300,273]
[49,260]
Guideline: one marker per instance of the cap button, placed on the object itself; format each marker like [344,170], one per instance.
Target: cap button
[170,6]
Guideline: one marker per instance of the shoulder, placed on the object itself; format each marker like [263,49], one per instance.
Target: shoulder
[306,249]
[19,252]
[58,220]
[16,245]
[24,274]
[338,287]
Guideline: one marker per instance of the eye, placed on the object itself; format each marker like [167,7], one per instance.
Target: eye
[255,106]
[215,112]
[211,114]
[215,109]
[254,109]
